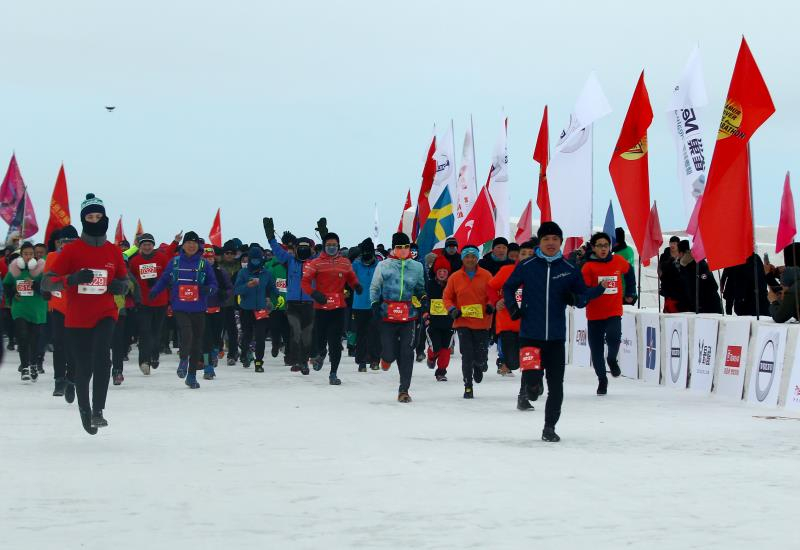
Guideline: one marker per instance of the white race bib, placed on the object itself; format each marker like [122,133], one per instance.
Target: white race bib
[148,271]
[280,284]
[99,284]
[25,287]
[613,287]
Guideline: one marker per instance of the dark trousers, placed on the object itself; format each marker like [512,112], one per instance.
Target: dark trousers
[119,343]
[231,330]
[191,328]
[151,322]
[509,342]
[27,336]
[440,339]
[397,344]
[301,324]
[212,339]
[62,360]
[90,348]
[169,332]
[43,339]
[552,355]
[279,330]
[330,328]
[474,345]
[608,331]
[368,338]
[253,330]
[8,323]
[419,336]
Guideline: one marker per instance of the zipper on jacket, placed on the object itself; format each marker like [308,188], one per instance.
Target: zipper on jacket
[402,278]
[547,305]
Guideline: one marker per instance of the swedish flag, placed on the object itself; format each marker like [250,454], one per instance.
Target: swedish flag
[439,224]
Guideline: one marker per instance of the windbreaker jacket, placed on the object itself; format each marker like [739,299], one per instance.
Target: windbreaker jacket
[329,275]
[398,280]
[255,298]
[294,267]
[365,273]
[188,273]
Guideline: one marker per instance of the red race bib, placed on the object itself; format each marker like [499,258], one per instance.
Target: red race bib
[261,314]
[25,287]
[530,358]
[213,310]
[188,293]
[334,301]
[397,311]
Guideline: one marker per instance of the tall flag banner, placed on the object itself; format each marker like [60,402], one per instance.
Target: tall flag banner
[15,227]
[787,228]
[726,217]
[376,227]
[11,192]
[139,228]
[609,227]
[467,183]
[525,225]
[541,154]
[653,239]
[59,206]
[445,157]
[438,226]
[569,172]
[497,184]
[688,95]
[423,206]
[403,213]
[478,227]
[698,250]
[119,234]
[629,164]
[215,235]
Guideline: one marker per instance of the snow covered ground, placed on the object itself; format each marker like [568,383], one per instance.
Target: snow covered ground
[279,460]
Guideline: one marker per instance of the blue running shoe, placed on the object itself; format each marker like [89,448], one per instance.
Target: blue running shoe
[191,381]
[183,367]
[208,373]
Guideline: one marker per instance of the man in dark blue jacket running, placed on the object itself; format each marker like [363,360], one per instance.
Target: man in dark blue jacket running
[549,284]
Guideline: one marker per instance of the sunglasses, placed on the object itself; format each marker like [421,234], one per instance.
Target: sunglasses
[402,246]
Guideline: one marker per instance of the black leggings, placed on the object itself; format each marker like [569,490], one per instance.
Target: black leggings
[397,343]
[151,321]
[368,339]
[231,330]
[552,357]
[119,344]
[213,337]
[62,359]
[191,327]
[474,344]
[608,331]
[90,349]
[330,328]
[27,335]
[279,330]
[253,330]
[301,325]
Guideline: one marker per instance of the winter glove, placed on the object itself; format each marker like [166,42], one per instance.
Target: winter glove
[514,311]
[489,309]
[376,311]
[118,287]
[322,227]
[319,297]
[269,228]
[455,313]
[358,288]
[80,277]
[288,238]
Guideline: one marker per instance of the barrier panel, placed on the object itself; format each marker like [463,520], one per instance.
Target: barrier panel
[649,330]
[703,353]
[580,338]
[629,348]
[675,350]
[732,355]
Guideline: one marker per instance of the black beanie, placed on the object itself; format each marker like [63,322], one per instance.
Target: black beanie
[399,239]
[330,235]
[191,236]
[549,228]
[67,232]
[683,246]
[512,247]
[619,235]
[367,246]
[500,240]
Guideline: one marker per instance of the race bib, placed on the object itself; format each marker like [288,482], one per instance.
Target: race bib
[613,287]
[25,287]
[530,358]
[437,307]
[261,314]
[188,293]
[397,311]
[334,301]
[472,311]
[415,302]
[280,284]
[99,284]
[148,271]
[518,297]
[213,310]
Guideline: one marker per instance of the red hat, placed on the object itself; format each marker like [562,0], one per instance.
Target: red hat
[442,263]
[208,252]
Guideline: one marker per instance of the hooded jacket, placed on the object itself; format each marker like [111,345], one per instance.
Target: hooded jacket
[294,268]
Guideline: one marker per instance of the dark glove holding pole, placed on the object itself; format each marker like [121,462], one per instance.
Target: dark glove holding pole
[118,287]
[269,228]
[319,297]
[455,313]
[358,288]
[81,277]
[322,227]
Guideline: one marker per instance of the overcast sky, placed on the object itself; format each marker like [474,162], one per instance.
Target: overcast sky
[302,109]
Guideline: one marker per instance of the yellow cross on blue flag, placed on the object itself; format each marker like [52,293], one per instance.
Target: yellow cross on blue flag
[438,226]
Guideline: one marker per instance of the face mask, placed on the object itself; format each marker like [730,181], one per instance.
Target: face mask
[254,263]
[244,265]
[332,250]
[414,254]
[402,253]
[367,256]
[452,250]
[303,253]
[96,229]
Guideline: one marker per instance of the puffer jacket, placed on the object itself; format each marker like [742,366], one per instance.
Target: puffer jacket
[398,280]
[365,273]
[254,298]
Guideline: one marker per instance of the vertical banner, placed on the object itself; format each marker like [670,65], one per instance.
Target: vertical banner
[580,339]
[649,344]
[628,350]
[676,351]
[734,337]
[703,354]
[767,365]
[791,398]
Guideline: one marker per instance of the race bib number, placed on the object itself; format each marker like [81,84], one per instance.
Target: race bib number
[530,358]
[518,297]
[472,311]
[148,271]
[213,310]
[397,311]
[188,293]
[261,314]
[437,307]
[334,301]
[25,287]
[613,287]
[99,284]
[280,284]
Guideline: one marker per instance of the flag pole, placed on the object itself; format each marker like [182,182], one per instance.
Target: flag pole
[753,221]
[22,224]
[639,290]
[696,287]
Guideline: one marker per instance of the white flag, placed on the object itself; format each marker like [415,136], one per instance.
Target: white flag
[445,157]
[570,172]
[689,94]
[467,184]
[498,183]
[375,226]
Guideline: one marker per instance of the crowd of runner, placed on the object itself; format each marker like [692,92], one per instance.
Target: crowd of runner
[91,303]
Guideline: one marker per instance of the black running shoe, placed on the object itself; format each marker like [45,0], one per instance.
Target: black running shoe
[98,421]
[523,404]
[86,420]
[69,392]
[549,434]
[602,387]
[614,366]
[468,392]
[60,386]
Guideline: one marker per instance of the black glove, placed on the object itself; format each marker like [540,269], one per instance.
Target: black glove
[322,227]
[455,313]
[358,288]
[269,228]
[118,287]
[80,277]
[514,311]
[376,311]
[489,309]
[288,238]
[569,298]
[319,297]
[37,287]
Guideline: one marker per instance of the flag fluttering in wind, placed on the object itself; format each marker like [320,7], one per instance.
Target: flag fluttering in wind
[726,217]
[403,213]
[376,227]
[525,225]
[12,192]
[653,239]
[438,226]
[497,183]
[467,184]
[629,164]
[119,234]
[445,158]
[139,228]
[787,228]
[478,227]
[609,227]
[423,206]
[541,154]
[59,206]
[215,235]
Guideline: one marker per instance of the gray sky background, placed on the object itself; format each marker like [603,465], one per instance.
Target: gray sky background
[303,109]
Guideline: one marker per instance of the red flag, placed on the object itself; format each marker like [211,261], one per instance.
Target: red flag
[698,250]
[11,192]
[215,235]
[628,166]
[478,226]
[423,206]
[59,206]
[119,234]
[787,228]
[726,218]
[402,214]
[541,154]
[139,229]
[653,237]
[524,227]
